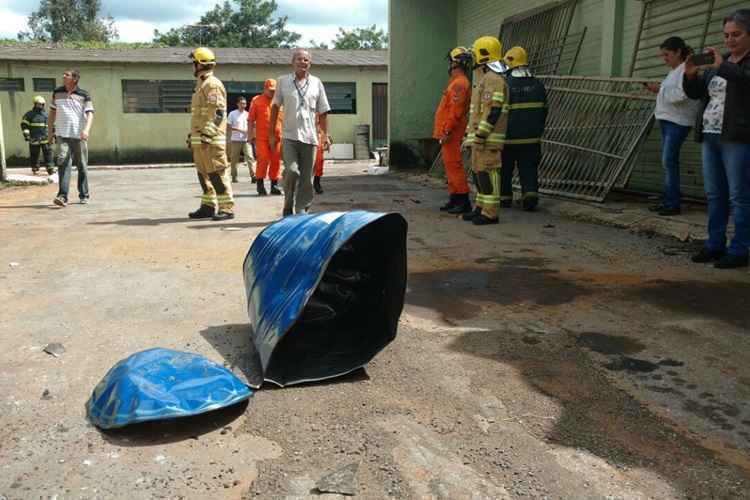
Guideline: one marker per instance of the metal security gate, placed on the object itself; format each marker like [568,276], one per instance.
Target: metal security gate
[379,114]
[698,22]
[594,130]
[545,34]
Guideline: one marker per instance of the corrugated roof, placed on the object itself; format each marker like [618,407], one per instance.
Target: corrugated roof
[179,55]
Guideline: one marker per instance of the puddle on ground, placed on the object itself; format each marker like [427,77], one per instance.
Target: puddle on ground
[609,344]
[456,294]
[626,363]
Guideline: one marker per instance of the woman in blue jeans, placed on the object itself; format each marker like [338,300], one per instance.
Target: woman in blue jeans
[724,130]
[676,114]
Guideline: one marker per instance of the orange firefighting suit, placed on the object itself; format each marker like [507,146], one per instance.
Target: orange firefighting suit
[208,123]
[268,160]
[450,119]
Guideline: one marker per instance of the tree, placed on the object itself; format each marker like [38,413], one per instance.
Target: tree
[369,38]
[236,23]
[317,45]
[69,20]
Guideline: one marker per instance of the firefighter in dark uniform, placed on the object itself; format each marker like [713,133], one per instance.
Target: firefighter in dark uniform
[527,113]
[34,127]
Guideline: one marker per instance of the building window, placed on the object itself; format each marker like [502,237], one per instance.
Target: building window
[342,96]
[12,85]
[44,84]
[157,96]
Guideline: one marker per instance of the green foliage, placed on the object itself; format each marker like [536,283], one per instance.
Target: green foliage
[368,38]
[312,44]
[69,20]
[236,23]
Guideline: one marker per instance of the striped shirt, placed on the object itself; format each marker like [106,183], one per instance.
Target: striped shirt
[71,109]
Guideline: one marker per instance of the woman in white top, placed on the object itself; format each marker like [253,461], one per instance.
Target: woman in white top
[676,114]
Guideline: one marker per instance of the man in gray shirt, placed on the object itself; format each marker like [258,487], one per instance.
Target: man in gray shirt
[304,100]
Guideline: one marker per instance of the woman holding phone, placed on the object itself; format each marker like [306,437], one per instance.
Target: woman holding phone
[675,113]
[723,128]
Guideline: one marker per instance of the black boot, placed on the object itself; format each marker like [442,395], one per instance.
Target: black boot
[316,185]
[275,188]
[468,217]
[483,220]
[223,216]
[253,179]
[451,203]
[261,187]
[530,203]
[204,212]
[462,206]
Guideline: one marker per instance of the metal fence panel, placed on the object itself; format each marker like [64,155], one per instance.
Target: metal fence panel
[545,34]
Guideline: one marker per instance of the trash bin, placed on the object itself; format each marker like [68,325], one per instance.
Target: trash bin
[325,292]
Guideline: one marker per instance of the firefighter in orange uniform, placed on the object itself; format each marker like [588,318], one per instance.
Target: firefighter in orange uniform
[259,121]
[207,139]
[323,146]
[450,124]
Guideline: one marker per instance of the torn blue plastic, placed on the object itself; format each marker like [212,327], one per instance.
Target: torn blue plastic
[160,384]
[325,292]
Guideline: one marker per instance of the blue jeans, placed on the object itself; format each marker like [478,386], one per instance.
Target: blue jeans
[672,138]
[69,152]
[726,175]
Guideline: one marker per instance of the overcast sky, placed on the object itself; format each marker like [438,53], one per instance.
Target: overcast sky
[137,19]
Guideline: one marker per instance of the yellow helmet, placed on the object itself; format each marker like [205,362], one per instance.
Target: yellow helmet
[487,49]
[39,100]
[203,55]
[516,57]
[459,54]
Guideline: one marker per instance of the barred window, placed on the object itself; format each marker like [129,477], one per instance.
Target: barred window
[12,85]
[157,96]
[44,84]
[342,96]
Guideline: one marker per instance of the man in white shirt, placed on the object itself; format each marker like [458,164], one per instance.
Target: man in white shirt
[304,100]
[237,127]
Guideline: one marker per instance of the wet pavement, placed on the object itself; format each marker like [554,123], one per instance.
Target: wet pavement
[542,357]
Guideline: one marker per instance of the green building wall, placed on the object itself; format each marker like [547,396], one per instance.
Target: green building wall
[607,50]
[421,34]
[155,137]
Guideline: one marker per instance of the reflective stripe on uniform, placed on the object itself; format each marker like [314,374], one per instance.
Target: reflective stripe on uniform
[485,127]
[496,138]
[35,124]
[527,105]
[524,141]
[498,97]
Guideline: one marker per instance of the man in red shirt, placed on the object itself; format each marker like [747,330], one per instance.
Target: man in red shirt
[258,126]
[450,125]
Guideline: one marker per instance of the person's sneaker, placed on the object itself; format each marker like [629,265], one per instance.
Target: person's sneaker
[730,261]
[60,201]
[706,255]
[204,212]
[656,208]
[223,216]
[34,171]
[463,208]
[84,201]
[275,188]
[669,211]
[261,187]
[482,220]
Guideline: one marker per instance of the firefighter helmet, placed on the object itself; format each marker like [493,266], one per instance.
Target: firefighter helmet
[487,49]
[459,54]
[203,55]
[39,100]
[516,57]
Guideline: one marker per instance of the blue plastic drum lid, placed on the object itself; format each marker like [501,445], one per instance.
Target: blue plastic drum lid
[160,384]
[325,292]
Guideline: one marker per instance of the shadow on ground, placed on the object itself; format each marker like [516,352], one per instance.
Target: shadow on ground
[175,430]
